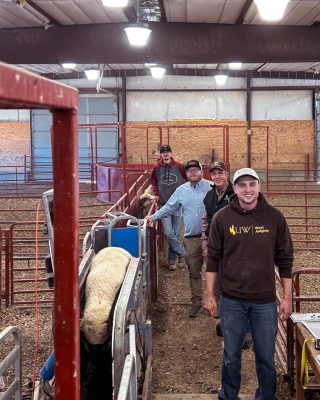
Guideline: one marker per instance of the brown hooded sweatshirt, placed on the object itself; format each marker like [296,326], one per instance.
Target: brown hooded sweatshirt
[247,245]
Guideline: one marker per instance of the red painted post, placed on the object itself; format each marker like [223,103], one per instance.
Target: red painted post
[10,250]
[1,248]
[306,216]
[160,132]
[17,187]
[224,142]
[227,159]
[147,133]
[25,167]
[91,157]
[66,254]
[96,143]
[7,269]
[124,160]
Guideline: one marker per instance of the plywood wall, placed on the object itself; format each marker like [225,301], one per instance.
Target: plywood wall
[288,142]
[15,142]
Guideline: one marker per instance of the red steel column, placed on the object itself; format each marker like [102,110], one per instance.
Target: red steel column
[66,255]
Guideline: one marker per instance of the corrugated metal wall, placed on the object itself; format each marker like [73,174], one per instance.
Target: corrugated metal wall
[266,105]
[104,141]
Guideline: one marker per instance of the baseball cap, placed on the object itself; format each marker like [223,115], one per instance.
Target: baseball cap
[218,165]
[192,163]
[165,148]
[245,172]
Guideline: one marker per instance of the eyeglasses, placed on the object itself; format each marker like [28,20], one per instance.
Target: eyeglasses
[217,172]
[193,170]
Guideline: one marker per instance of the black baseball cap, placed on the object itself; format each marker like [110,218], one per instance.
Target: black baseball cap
[218,165]
[165,148]
[192,163]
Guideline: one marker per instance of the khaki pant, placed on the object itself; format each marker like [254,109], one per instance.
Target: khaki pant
[194,260]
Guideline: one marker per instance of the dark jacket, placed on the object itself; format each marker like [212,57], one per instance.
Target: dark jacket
[246,245]
[212,204]
[166,178]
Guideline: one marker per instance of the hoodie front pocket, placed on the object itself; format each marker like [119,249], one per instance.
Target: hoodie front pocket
[249,278]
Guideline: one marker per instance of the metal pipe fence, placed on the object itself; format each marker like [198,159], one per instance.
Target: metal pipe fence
[12,358]
[301,210]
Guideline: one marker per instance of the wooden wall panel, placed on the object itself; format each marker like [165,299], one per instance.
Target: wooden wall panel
[289,142]
[15,142]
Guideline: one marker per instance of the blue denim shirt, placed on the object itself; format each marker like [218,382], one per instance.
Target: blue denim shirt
[190,199]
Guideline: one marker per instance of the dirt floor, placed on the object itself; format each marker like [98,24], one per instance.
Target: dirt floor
[187,353]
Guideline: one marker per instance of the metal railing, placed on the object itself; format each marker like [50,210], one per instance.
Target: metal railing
[285,339]
[12,358]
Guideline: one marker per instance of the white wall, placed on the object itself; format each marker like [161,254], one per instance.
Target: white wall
[15,115]
[163,106]
[281,105]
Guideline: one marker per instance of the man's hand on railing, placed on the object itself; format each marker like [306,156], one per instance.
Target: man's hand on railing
[150,220]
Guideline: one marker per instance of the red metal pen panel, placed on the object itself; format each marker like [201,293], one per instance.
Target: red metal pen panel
[66,255]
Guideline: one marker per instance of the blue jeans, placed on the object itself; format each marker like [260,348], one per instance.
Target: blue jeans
[171,229]
[263,320]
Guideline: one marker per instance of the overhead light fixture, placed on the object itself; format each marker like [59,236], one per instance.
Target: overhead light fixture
[157,72]
[92,74]
[148,65]
[69,65]
[137,35]
[115,3]
[271,10]
[235,65]
[221,79]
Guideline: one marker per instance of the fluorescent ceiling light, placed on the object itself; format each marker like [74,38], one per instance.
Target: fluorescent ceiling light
[235,65]
[68,65]
[92,74]
[157,72]
[115,3]
[271,10]
[148,65]
[221,79]
[137,35]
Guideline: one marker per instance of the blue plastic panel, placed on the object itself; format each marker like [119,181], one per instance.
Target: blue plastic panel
[126,238]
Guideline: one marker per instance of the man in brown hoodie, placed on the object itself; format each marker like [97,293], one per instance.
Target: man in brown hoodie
[247,239]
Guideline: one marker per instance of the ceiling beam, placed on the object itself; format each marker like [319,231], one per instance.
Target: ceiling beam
[177,43]
[193,72]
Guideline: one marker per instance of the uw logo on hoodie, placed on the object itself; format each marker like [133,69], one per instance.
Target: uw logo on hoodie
[244,230]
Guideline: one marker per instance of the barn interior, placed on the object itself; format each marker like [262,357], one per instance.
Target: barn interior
[216,81]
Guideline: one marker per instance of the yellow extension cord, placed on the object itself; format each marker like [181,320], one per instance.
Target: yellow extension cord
[304,365]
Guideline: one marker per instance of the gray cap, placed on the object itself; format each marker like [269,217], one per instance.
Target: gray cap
[245,172]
